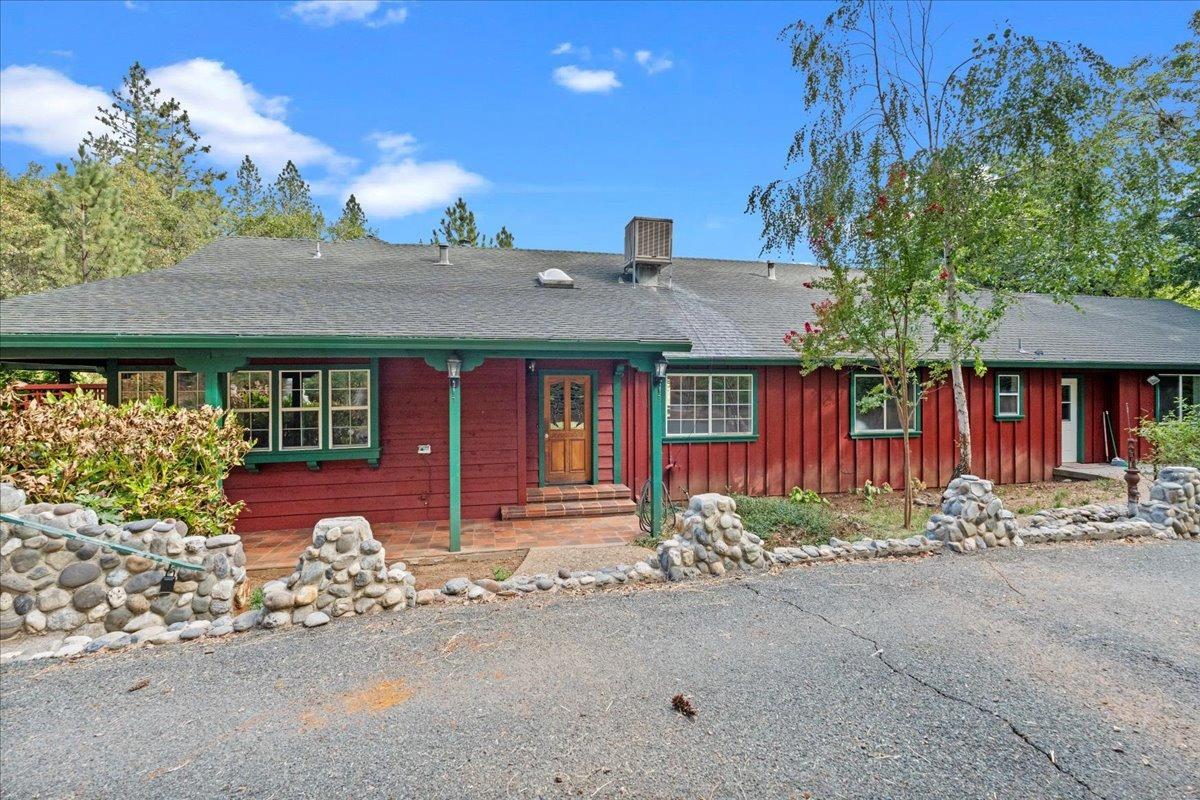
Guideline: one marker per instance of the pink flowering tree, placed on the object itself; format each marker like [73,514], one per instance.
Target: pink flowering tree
[876,234]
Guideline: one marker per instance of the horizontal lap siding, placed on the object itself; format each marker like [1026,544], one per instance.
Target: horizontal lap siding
[406,487]
[804,440]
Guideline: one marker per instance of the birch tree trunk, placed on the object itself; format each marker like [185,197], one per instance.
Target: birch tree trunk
[962,415]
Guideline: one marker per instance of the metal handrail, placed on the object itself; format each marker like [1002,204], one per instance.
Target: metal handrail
[120,548]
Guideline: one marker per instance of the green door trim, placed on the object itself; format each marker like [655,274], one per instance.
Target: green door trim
[594,374]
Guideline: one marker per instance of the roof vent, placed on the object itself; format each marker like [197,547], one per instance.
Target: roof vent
[647,247]
[318,253]
[771,271]
[443,255]
[555,277]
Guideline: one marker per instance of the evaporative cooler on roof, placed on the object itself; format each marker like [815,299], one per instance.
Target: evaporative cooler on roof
[648,241]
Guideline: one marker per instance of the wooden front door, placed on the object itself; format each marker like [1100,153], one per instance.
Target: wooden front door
[567,428]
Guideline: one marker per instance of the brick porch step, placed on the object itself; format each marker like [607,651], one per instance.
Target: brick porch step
[570,509]
[585,491]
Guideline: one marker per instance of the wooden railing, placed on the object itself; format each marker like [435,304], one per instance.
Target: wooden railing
[36,391]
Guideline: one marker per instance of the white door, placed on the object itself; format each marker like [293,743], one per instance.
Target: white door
[1070,420]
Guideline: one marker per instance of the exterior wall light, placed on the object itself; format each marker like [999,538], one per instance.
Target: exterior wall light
[454,368]
[1153,380]
[660,369]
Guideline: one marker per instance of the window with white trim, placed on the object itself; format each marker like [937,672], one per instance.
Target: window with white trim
[882,419]
[300,409]
[189,389]
[1175,392]
[133,386]
[250,403]
[1010,402]
[710,405]
[349,408]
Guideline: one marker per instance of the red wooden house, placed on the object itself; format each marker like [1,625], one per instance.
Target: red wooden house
[411,382]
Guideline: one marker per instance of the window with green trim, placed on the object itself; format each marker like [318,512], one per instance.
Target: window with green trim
[189,389]
[250,403]
[300,409]
[1010,396]
[308,412]
[1176,392]
[882,419]
[349,408]
[135,385]
[710,405]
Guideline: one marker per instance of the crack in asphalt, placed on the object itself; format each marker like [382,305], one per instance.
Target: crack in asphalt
[1049,756]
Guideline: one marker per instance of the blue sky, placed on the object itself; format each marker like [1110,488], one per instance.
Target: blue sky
[668,109]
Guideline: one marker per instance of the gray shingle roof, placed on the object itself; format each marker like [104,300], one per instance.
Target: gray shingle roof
[727,309]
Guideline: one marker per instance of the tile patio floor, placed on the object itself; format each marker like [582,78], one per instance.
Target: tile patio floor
[406,541]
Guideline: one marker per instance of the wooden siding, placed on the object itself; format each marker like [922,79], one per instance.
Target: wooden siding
[804,438]
[406,486]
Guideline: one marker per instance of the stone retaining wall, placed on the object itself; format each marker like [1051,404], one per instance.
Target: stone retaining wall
[342,572]
[51,583]
[972,518]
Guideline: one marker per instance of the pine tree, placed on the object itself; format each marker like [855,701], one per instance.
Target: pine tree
[246,199]
[352,224]
[458,228]
[24,266]
[151,134]
[90,238]
[291,193]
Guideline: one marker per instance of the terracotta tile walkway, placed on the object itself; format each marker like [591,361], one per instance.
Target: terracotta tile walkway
[404,541]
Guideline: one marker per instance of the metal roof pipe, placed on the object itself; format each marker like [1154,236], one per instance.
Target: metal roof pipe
[443,255]
[771,270]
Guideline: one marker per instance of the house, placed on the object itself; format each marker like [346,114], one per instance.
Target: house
[417,382]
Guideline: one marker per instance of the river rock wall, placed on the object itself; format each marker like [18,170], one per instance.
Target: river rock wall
[342,572]
[50,582]
[710,540]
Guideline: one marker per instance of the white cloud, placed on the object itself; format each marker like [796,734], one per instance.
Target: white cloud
[653,63]
[561,50]
[326,13]
[618,54]
[45,109]
[236,120]
[586,80]
[398,188]
[393,144]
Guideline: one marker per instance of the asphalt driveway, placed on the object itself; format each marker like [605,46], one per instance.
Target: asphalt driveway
[1069,671]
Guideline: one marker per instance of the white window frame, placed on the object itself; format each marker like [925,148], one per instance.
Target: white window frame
[856,395]
[199,392]
[320,408]
[122,399]
[1177,377]
[366,408]
[270,408]
[1019,393]
[710,433]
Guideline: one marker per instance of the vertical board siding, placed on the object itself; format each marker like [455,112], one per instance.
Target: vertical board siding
[406,487]
[804,438]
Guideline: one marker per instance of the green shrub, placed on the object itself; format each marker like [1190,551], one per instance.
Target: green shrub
[501,573]
[138,459]
[1174,441]
[256,598]
[771,516]
[806,497]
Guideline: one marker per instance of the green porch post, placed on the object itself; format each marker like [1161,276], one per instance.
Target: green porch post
[453,367]
[658,401]
[212,389]
[209,367]
[618,428]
